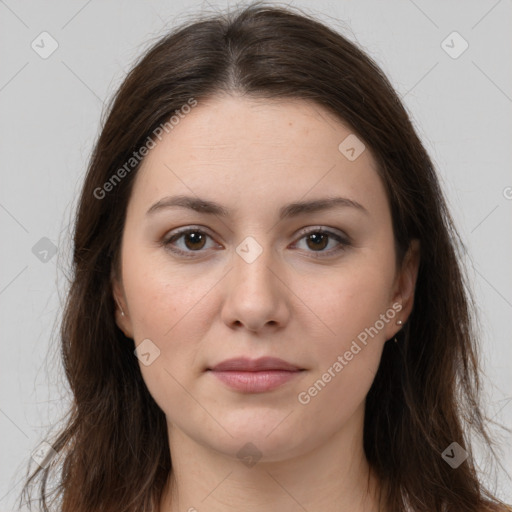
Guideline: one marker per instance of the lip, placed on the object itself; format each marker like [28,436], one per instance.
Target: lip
[255,375]
[256,382]
[244,364]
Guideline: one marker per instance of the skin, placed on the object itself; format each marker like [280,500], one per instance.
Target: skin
[254,156]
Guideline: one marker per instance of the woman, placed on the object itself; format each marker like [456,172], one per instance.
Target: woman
[268,311]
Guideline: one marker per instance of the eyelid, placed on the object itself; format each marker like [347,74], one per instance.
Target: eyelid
[324,229]
[178,232]
[342,238]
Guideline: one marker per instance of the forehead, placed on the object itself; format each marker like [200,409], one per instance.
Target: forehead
[239,146]
[228,123]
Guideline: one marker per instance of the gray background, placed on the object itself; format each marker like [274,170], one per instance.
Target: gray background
[50,117]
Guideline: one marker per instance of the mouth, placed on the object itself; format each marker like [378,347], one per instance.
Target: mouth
[244,364]
[255,382]
[255,376]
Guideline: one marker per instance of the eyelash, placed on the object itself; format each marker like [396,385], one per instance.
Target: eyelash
[344,242]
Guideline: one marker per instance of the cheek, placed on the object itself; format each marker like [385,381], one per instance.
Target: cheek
[347,358]
[354,300]
[356,317]
[169,305]
[158,292]
[163,308]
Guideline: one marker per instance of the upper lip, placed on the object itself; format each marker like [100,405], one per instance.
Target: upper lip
[245,364]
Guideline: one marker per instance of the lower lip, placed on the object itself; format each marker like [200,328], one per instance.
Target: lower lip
[255,382]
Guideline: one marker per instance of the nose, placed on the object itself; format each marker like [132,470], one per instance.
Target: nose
[255,294]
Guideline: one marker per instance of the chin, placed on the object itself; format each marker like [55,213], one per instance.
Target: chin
[270,440]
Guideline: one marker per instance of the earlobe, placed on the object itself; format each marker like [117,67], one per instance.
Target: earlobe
[406,283]
[122,320]
[119,306]
[116,292]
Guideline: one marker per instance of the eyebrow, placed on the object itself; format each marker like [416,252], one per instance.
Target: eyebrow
[290,210]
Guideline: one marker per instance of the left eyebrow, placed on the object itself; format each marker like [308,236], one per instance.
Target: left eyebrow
[290,210]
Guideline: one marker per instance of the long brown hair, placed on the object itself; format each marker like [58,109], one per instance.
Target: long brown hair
[113,453]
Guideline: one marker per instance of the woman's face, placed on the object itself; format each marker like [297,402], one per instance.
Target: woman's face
[255,283]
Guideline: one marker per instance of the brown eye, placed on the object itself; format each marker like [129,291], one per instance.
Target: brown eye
[192,240]
[318,241]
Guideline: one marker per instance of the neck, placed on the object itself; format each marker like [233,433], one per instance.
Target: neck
[333,477]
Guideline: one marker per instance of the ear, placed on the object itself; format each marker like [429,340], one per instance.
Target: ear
[122,320]
[405,285]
